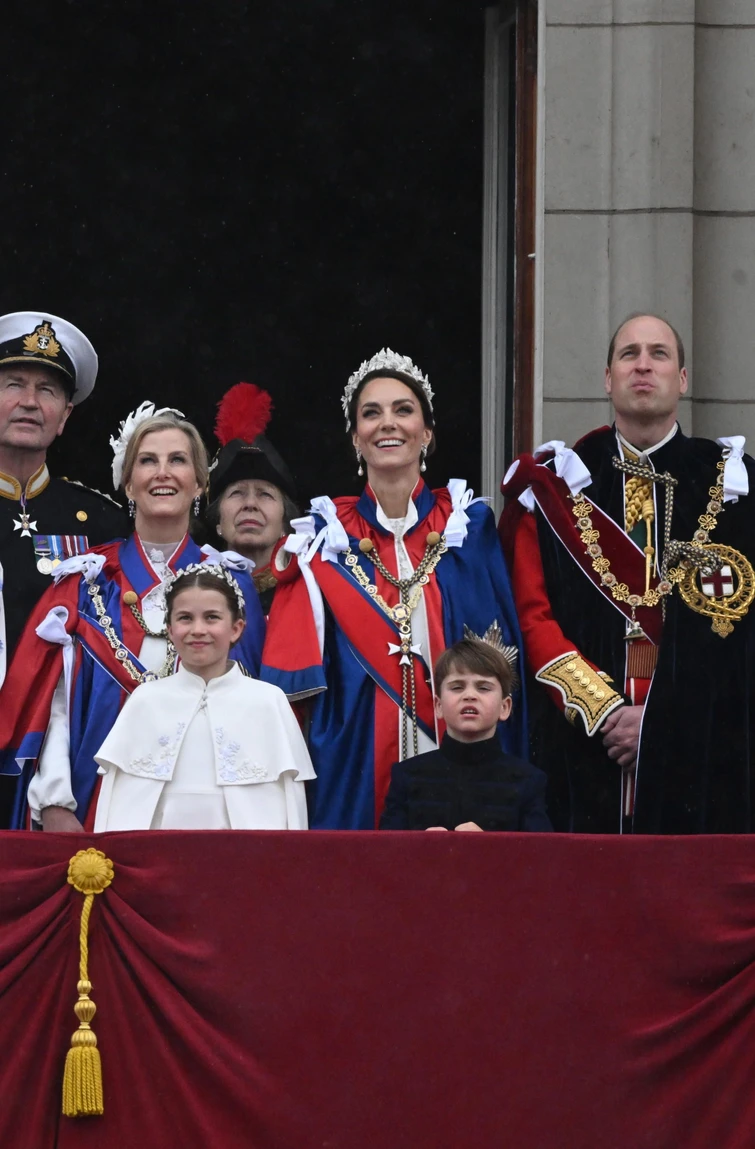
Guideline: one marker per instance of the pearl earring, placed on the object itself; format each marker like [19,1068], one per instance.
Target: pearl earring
[423,464]
[360,472]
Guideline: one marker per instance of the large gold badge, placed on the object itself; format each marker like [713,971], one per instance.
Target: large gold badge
[724,594]
[42,341]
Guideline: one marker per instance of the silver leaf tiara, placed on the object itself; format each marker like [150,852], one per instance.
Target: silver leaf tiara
[392,363]
[217,571]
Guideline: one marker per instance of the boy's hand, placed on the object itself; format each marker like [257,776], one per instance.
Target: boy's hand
[470,826]
[429,828]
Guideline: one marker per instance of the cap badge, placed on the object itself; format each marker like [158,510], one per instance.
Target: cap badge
[42,341]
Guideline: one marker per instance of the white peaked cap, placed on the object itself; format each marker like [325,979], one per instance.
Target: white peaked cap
[46,339]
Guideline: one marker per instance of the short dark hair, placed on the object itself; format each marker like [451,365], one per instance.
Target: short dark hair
[204,580]
[648,315]
[413,386]
[475,657]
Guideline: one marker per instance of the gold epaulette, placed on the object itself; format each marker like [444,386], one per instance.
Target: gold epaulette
[585,691]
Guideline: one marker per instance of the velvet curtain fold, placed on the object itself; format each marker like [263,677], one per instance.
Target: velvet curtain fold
[293,991]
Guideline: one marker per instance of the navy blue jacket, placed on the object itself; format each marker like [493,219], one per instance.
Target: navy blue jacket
[466,782]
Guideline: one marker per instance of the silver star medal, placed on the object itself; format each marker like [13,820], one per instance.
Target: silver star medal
[25,527]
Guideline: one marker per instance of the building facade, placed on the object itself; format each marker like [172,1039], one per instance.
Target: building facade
[644,199]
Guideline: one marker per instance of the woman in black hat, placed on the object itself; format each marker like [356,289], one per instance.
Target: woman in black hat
[251,491]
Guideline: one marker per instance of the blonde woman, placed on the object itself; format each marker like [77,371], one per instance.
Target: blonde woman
[100,630]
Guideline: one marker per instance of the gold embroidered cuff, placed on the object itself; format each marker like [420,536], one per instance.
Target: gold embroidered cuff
[585,691]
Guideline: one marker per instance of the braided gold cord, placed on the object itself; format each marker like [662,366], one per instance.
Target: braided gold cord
[637,492]
[84,938]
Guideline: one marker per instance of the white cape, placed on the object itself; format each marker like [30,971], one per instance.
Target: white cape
[257,746]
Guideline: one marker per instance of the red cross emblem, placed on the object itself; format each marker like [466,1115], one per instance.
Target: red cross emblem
[720,584]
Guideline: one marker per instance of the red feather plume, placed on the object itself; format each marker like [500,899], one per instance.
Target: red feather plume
[243,413]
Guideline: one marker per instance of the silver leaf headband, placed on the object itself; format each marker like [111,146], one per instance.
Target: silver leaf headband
[391,363]
[217,570]
[144,411]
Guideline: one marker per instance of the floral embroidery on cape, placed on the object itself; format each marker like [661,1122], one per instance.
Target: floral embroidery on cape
[159,765]
[229,770]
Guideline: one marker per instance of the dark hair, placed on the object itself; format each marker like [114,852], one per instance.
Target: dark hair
[290,509]
[203,580]
[413,386]
[646,315]
[476,657]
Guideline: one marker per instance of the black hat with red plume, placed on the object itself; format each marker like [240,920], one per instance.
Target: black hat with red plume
[243,415]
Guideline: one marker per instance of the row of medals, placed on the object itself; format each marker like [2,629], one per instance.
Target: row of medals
[46,566]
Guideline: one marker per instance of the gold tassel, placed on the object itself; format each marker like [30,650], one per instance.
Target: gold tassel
[89,872]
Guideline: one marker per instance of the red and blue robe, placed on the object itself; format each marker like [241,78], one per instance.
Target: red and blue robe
[100,682]
[353,725]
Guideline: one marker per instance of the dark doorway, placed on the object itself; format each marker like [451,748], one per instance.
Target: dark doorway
[250,191]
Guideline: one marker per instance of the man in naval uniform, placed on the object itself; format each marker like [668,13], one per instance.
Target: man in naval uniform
[47,366]
[631,575]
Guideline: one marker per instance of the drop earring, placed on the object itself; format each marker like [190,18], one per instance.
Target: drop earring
[196,507]
[423,464]
[131,508]
[360,472]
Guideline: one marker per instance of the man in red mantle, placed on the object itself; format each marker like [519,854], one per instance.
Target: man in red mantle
[633,586]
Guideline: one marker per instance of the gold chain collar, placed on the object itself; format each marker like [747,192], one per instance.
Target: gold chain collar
[699,556]
[410,590]
[121,651]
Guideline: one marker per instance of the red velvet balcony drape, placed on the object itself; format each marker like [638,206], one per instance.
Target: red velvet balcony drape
[385,991]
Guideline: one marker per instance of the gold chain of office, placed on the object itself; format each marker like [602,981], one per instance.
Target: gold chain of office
[122,652]
[410,592]
[687,552]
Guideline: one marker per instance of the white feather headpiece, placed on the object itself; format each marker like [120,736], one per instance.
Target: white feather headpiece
[144,411]
[391,363]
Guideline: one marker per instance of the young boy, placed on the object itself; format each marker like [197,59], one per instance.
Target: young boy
[469,783]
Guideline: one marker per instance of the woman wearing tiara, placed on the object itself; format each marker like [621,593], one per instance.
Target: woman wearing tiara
[99,631]
[207,748]
[372,589]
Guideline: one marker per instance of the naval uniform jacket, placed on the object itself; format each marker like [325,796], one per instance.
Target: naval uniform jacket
[78,518]
[55,507]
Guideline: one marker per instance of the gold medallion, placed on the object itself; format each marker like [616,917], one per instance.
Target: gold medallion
[82,516]
[725,595]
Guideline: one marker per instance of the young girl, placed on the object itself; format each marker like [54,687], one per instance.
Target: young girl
[207,748]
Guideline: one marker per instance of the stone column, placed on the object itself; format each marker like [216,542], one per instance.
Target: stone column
[724,226]
[618,82]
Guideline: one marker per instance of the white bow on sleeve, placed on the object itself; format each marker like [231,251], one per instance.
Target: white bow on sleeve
[735,481]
